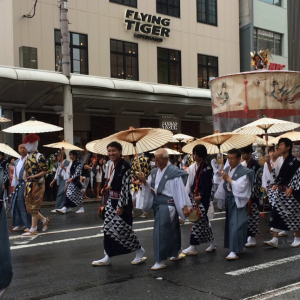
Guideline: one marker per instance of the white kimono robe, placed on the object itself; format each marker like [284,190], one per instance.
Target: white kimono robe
[173,188]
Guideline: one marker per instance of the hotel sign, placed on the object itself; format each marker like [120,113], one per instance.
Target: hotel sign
[148,27]
[169,123]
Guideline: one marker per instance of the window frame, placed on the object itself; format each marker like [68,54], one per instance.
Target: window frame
[255,29]
[169,65]
[124,58]
[207,67]
[206,14]
[273,3]
[167,14]
[86,48]
[114,1]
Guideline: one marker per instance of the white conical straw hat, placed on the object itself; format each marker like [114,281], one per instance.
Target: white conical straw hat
[32,126]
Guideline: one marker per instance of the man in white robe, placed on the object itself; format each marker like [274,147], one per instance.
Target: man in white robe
[235,187]
[165,192]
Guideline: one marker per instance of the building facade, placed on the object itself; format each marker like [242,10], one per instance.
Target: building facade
[264,25]
[171,47]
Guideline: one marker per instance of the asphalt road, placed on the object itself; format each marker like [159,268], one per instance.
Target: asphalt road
[57,265]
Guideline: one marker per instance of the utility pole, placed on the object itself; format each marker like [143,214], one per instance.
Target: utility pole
[65,46]
[65,61]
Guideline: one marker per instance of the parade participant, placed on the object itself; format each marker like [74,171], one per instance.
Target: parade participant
[4,177]
[285,213]
[188,159]
[100,170]
[235,187]
[20,218]
[119,238]
[51,190]
[273,161]
[271,157]
[136,189]
[6,271]
[74,196]
[199,187]
[36,168]
[165,192]
[11,164]
[253,204]
[59,178]
[217,169]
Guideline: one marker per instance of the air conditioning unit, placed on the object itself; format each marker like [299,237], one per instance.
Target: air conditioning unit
[28,57]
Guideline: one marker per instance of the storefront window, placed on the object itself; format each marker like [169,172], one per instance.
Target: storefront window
[207,12]
[264,40]
[132,3]
[207,68]
[274,2]
[169,66]
[78,52]
[124,60]
[168,7]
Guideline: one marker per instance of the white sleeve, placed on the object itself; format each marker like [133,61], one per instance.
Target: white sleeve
[241,189]
[147,196]
[220,193]
[226,164]
[14,181]
[214,165]
[56,173]
[189,181]
[266,176]
[180,195]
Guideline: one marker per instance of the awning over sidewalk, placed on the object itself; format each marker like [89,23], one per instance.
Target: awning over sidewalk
[41,91]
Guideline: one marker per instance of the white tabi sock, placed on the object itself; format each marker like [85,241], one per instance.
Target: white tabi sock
[44,221]
[140,253]
[191,248]
[232,255]
[251,240]
[212,246]
[296,242]
[33,229]
[274,240]
[159,264]
[106,259]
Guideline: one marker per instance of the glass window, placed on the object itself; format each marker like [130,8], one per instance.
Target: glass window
[78,52]
[274,2]
[132,3]
[168,66]
[168,7]
[207,68]
[124,60]
[264,39]
[207,12]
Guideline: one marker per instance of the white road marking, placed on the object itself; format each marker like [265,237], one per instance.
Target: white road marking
[274,293]
[263,266]
[68,240]
[75,229]
[84,237]
[89,228]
